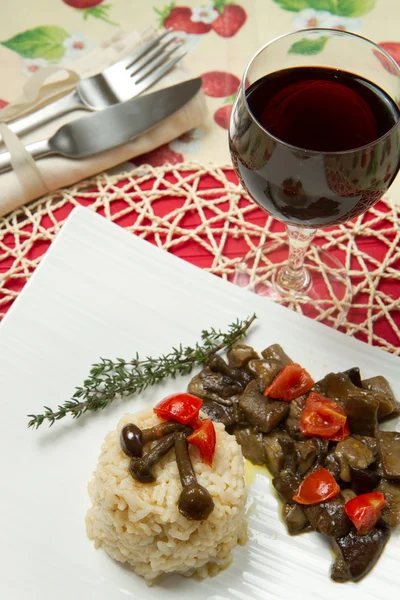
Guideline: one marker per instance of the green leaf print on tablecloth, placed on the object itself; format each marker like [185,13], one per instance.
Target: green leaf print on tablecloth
[344,8]
[354,8]
[42,42]
[336,14]
[293,5]
[309,47]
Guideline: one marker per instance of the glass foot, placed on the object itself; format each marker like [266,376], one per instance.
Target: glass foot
[328,294]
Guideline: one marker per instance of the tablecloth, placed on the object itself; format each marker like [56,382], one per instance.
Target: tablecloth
[220,37]
[36,33]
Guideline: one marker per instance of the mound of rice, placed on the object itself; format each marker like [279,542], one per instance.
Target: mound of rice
[140,524]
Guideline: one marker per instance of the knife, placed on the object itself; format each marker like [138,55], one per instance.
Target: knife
[112,126]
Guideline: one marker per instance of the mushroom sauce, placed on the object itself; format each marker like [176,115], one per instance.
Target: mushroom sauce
[360,462]
[335,471]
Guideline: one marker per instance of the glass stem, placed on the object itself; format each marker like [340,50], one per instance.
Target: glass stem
[294,277]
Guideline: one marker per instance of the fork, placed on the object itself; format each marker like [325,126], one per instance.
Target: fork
[125,79]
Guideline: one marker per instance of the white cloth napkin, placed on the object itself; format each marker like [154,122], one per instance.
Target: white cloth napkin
[29,179]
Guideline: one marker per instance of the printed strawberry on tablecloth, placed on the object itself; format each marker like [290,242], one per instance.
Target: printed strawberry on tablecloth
[195,24]
[223,17]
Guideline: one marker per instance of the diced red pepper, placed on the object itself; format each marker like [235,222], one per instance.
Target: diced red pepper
[365,510]
[183,408]
[205,439]
[317,487]
[290,383]
[324,418]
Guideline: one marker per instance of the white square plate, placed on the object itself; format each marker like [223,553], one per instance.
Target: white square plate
[102,292]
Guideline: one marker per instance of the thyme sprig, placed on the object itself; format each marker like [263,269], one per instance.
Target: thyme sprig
[109,379]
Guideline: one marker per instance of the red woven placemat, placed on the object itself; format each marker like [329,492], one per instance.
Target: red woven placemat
[201,214]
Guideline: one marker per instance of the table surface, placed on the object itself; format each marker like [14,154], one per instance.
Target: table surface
[58,31]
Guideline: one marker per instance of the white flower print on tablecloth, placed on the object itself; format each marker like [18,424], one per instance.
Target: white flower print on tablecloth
[75,46]
[204,14]
[188,142]
[310,18]
[189,41]
[32,65]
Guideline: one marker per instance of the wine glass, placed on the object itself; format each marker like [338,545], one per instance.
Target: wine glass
[314,139]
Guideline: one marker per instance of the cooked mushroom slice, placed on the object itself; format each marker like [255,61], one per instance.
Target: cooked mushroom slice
[352,453]
[286,484]
[132,439]
[347,494]
[357,554]
[332,464]
[276,352]
[319,387]
[252,444]
[363,481]
[196,388]
[306,454]
[389,453]
[291,424]
[322,447]
[295,518]
[274,454]
[378,468]
[388,405]
[242,377]
[263,413]
[217,364]
[290,454]
[340,571]
[141,468]
[391,511]
[240,417]
[368,441]
[361,406]
[195,502]
[220,384]
[240,354]
[218,412]
[354,375]
[264,371]
[329,518]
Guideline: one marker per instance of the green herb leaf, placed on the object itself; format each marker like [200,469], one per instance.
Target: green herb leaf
[308,46]
[109,379]
[42,42]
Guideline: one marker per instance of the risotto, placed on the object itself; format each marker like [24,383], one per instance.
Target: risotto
[140,524]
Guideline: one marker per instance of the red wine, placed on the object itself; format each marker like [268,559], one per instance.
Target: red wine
[312,144]
[321,109]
